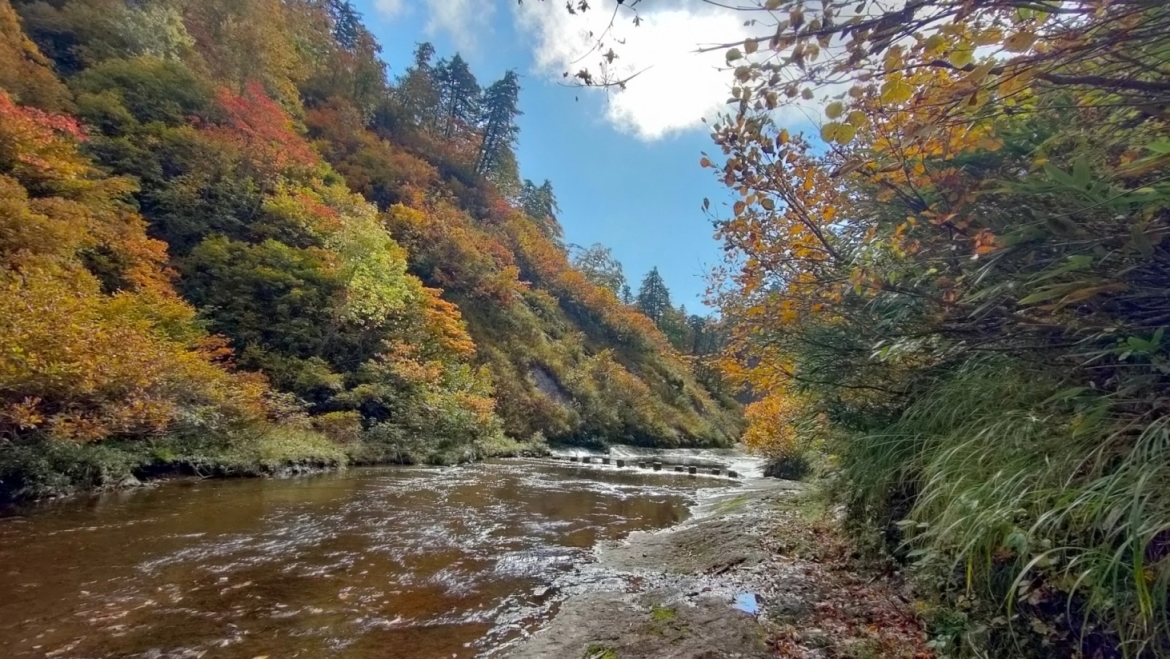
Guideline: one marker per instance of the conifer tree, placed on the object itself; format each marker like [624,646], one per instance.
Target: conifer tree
[654,297]
[627,296]
[500,108]
[418,92]
[459,95]
[540,203]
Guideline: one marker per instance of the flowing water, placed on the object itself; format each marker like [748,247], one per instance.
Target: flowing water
[391,562]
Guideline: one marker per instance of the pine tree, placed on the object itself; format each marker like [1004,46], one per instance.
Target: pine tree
[347,25]
[500,109]
[627,296]
[540,204]
[654,297]
[459,95]
[674,325]
[418,92]
[702,336]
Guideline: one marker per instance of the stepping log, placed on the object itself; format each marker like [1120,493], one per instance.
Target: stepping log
[641,465]
[733,474]
[574,459]
[678,469]
[621,463]
[657,466]
[605,461]
[714,472]
[586,460]
[693,470]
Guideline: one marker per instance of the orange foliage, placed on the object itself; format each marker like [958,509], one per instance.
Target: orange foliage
[445,326]
[77,362]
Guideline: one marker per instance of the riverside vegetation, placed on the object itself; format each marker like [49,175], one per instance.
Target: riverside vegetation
[229,241]
[954,297]
[230,244]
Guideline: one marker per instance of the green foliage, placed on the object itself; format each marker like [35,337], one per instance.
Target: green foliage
[598,651]
[501,107]
[151,89]
[459,95]
[654,297]
[269,296]
[600,268]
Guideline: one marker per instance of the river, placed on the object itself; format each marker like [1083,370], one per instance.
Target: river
[386,562]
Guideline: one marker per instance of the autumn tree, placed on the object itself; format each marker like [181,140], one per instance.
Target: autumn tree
[600,267]
[24,71]
[96,343]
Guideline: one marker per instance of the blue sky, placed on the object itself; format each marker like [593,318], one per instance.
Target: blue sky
[625,165]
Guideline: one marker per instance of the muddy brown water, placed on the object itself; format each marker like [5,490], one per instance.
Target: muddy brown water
[389,563]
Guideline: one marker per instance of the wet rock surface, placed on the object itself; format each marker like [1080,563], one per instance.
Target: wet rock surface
[749,576]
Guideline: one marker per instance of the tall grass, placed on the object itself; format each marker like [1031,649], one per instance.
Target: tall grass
[1049,508]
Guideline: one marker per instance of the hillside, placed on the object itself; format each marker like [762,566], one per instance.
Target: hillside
[232,235]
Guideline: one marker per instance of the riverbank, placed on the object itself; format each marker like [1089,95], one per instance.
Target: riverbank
[757,572]
[38,470]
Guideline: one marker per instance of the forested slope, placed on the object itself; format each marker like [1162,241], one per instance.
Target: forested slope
[227,233]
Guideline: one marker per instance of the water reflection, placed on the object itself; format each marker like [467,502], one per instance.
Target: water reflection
[372,563]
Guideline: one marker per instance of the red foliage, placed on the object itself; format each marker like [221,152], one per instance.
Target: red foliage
[30,139]
[263,132]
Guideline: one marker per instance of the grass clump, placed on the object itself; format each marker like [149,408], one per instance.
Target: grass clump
[1042,525]
[598,651]
[663,614]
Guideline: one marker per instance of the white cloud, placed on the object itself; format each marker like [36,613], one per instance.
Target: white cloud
[462,20]
[677,88]
[390,8]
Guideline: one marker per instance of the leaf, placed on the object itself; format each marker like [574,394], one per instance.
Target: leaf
[750,46]
[1160,146]
[783,137]
[835,109]
[1058,175]
[857,119]
[829,131]
[772,4]
[733,55]
[1047,293]
[1020,41]
[768,204]
[1065,394]
[896,91]
[845,133]
[705,162]
[739,208]
[962,55]
[1081,173]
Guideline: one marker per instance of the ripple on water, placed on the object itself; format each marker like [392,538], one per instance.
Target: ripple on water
[433,562]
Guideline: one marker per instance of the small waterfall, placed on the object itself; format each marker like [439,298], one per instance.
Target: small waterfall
[746,465]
